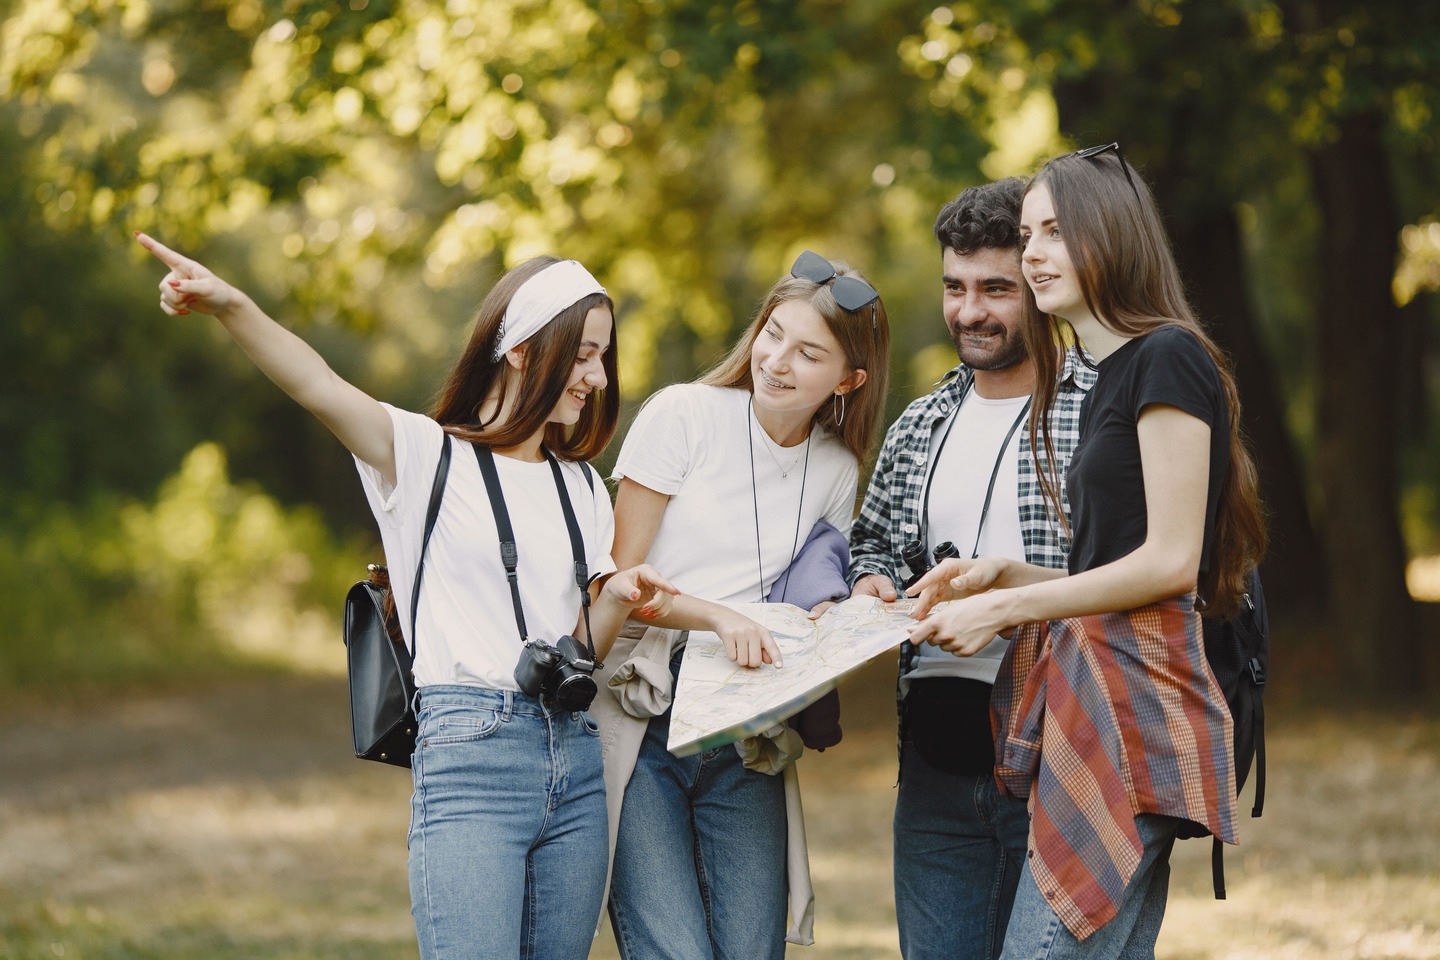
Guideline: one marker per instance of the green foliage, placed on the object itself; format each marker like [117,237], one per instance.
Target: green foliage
[366,169]
[210,576]
[684,151]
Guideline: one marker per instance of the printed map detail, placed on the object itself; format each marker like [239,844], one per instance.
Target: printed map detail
[717,702]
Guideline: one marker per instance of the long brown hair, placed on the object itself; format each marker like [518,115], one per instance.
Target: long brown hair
[549,363]
[864,335]
[1127,274]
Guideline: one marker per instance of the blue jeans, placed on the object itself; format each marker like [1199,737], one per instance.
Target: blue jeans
[507,827]
[700,861]
[959,850]
[1036,931]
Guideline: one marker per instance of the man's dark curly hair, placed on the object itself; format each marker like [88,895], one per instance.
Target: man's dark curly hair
[983,217]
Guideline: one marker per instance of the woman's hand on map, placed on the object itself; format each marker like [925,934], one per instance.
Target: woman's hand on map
[746,642]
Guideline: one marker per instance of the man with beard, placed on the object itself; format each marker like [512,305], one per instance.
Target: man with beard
[958,468]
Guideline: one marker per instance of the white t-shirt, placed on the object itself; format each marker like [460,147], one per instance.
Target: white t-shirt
[690,442]
[957,494]
[466,623]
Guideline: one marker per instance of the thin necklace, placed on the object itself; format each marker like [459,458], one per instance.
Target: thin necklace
[755,504]
[770,446]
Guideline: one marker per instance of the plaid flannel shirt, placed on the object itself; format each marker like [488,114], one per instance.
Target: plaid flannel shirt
[893,507]
[891,513]
[1099,719]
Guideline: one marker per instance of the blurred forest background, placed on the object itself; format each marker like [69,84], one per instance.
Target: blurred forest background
[367,168]
[176,535]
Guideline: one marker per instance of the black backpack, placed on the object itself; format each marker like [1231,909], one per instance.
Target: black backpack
[1238,650]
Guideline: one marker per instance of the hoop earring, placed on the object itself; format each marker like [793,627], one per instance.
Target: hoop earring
[840,416]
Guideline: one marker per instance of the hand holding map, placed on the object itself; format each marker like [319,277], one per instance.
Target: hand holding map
[717,702]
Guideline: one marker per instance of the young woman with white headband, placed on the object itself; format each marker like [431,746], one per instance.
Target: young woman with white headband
[507,830]
[725,480]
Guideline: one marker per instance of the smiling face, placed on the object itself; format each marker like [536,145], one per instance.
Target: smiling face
[796,362]
[983,307]
[1047,265]
[588,374]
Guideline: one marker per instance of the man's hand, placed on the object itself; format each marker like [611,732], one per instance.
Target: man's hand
[875,585]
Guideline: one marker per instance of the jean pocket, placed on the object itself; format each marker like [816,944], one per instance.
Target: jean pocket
[587,723]
[463,725]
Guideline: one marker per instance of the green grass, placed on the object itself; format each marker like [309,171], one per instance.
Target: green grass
[229,821]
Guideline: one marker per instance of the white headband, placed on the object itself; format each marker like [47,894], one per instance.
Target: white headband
[541,299]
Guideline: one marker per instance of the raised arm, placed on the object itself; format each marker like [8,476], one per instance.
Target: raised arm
[352,415]
[1174,455]
[638,511]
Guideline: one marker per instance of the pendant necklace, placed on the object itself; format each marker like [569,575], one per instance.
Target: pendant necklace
[755,503]
[770,446]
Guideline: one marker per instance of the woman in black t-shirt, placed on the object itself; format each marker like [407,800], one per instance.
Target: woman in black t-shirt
[1107,713]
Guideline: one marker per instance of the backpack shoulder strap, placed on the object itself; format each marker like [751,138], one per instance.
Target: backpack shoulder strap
[1217,867]
[1255,628]
[437,491]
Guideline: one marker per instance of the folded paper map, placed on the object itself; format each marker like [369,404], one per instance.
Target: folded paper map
[717,702]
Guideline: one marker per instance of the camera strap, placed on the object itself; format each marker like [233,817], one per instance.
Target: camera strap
[509,552]
[437,491]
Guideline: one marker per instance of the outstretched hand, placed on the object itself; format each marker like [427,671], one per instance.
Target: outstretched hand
[189,286]
[964,628]
[954,579]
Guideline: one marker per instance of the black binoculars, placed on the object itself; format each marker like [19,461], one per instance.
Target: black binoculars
[913,553]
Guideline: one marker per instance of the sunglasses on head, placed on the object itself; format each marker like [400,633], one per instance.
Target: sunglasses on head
[1090,152]
[851,293]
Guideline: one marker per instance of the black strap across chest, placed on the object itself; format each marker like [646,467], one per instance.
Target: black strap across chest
[989,490]
[510,553]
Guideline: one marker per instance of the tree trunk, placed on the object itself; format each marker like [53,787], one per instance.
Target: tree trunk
[1212,263]
[1360,339]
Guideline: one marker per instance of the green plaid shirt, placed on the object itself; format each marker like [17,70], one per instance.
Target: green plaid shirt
[892,510]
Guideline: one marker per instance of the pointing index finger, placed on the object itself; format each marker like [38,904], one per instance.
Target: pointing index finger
[162,253]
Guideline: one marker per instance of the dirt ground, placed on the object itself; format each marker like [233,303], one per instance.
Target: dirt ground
[230,821]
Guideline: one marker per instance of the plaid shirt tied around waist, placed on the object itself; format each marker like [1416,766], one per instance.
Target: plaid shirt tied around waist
[1099,719]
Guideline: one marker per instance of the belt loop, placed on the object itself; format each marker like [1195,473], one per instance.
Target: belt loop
[508,709]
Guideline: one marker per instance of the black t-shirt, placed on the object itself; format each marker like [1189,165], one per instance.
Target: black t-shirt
[1105,483]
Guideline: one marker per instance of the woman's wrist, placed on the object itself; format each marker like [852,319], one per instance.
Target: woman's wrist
[1009,605]
[717,617]
[1004,571]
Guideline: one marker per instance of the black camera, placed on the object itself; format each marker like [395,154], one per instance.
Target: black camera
[913,553]
[560,673]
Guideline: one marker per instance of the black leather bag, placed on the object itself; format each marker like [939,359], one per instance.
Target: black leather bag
[382,685]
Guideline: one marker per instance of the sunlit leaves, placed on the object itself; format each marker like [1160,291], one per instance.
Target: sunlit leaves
[1420,260]
[356,149]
